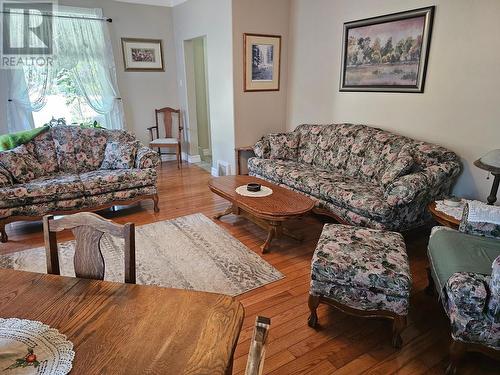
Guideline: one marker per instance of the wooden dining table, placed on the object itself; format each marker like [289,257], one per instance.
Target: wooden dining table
[119,328]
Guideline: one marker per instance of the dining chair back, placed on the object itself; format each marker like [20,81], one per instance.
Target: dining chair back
[88,229]
[172,125]
[257,352]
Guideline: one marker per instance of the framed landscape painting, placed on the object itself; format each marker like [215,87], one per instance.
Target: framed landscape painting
[388,53]
[262,62]
[142,55]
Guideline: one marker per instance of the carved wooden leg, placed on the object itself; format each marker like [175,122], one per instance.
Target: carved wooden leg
[274,230]
[457,350]
[313,305]
[398,326]
[3,234]
[155,202]
[227,211]
[431,287]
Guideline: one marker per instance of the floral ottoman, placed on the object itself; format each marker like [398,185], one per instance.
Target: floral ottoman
[362,272]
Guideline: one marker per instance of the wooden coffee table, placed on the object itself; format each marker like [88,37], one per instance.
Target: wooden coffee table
[268,212]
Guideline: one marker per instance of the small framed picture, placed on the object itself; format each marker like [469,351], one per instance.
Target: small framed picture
[387,53]
[142,55]
[262,59]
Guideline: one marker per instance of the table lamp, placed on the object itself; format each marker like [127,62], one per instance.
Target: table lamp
[491,163]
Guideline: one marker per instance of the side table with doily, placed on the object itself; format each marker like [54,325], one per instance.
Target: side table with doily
[449,216]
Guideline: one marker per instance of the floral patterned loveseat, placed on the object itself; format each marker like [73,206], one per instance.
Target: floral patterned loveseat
[358,174]
[69,169]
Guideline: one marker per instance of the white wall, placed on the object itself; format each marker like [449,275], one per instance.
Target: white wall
[460,108]
[259,113]
[212,18]
[141,92]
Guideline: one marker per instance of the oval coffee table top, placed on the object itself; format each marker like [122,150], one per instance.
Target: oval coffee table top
[282,204]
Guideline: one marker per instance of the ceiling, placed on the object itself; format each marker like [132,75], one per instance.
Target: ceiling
[165,3]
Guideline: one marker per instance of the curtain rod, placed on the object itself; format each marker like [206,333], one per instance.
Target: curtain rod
[63,16]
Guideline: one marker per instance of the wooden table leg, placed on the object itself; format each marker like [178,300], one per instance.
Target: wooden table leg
[227,211]
[274,230]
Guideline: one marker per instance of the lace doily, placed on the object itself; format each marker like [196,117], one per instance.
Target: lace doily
[455,212]
[264,191]
[31,347]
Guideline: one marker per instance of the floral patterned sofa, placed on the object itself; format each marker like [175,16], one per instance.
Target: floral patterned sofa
[70,169]
[358,174]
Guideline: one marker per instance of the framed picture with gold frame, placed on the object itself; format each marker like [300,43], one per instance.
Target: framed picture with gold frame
[262,60]
[142,55]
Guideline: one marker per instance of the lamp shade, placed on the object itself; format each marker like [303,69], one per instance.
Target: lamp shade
[489,162]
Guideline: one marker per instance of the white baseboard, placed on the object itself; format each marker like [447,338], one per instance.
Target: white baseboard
[191,158]
[168,157]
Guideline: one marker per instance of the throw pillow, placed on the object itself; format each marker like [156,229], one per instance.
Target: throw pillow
[481,219]
[119,155]
[400,167]
[262,148]
[284,146]
[21,164]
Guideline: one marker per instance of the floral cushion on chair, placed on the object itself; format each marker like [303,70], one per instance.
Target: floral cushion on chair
[481,219]
[119,155]
[400,167]
[21,164]
[284,146]
[262,148]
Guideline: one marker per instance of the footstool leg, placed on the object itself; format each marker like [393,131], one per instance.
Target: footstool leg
[398,326]
[313,305]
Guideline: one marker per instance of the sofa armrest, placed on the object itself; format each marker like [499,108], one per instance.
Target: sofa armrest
[431,183]
[147,158]
[467,292]
[494,301]
[5,178]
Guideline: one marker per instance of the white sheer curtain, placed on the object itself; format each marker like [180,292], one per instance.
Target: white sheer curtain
[24,88]
[82,47]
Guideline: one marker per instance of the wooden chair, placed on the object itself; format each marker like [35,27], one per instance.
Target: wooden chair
[88,229]
[257,352]
[171,139]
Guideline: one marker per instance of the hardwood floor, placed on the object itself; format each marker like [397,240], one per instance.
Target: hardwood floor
[343,344]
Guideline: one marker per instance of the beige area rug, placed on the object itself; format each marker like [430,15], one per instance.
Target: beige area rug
[190,252]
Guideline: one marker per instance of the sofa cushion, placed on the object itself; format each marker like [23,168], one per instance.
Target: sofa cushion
[104,181]
[284,146]
[356,195]
[5,177]
[481,219]
[45,152]
[119,155]
[274,170]
[43,189]
[21,163]
[308,140]
[79,150]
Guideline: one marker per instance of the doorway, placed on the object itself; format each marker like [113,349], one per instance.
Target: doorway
[200,143]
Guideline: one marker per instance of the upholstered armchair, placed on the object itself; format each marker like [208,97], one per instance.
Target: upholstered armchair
[465,267]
